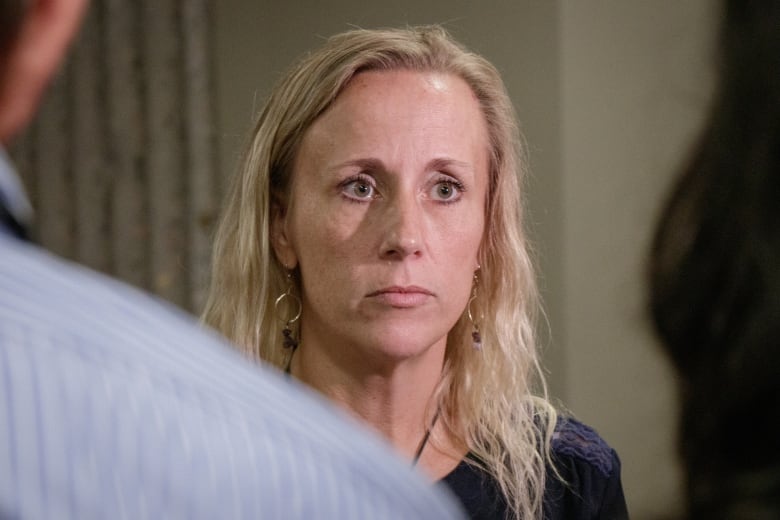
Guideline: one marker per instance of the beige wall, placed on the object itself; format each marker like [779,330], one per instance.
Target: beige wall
[609,95]
[634,84]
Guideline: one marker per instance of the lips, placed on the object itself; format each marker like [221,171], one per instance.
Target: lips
[402,297]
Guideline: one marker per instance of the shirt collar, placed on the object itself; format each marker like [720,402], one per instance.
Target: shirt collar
[15,208]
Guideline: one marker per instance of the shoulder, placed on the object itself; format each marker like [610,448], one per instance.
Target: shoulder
[39,286]
[72,314]
[101,379]
[575,440]
[585,482]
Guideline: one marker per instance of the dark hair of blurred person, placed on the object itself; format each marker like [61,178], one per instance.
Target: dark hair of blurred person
[10,18]
[715,279]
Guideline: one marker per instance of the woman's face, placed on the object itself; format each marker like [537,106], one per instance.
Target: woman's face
[387,214]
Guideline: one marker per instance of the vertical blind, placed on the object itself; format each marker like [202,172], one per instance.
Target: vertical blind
[121,162]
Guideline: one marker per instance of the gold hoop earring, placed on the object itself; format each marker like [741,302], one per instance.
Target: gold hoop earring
[289,340]
[476,337]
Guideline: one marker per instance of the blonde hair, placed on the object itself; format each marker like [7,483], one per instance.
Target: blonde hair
[488,397]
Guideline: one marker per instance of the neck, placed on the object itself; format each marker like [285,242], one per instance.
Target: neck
[379,394]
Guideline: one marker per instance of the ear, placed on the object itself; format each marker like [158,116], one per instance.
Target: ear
[280,238]
[47,28]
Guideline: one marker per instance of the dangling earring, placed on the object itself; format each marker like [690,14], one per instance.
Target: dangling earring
[289,341]
[475,335]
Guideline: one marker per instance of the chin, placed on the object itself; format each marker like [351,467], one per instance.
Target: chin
[399,345]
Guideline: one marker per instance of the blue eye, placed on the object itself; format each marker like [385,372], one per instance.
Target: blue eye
[358,189]
[447,190]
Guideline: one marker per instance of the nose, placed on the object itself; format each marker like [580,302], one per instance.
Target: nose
[402,230]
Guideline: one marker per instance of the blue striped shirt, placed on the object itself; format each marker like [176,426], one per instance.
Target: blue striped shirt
[116,405]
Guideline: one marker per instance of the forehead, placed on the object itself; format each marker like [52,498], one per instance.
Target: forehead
[425,82]
[401,103]
[379,92]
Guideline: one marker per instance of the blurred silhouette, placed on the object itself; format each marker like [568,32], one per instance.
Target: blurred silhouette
[715,279]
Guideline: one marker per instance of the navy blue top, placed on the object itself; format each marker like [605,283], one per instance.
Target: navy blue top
[591,487]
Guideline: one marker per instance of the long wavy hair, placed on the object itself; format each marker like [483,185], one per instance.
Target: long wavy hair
[492,401]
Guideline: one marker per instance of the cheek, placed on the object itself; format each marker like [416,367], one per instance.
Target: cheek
[462,241]
[325,241]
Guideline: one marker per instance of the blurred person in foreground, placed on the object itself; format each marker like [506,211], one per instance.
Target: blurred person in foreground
[715,279]
[114,405]
[372,247]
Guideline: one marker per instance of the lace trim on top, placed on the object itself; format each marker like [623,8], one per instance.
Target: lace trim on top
[577,440]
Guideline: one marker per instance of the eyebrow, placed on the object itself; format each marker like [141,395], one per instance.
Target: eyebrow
[441,163]
[372,163]
[368,163]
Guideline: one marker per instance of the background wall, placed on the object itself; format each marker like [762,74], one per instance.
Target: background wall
[634,85]
[610,95]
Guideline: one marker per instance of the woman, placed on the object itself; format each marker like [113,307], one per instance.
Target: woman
[372,247]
